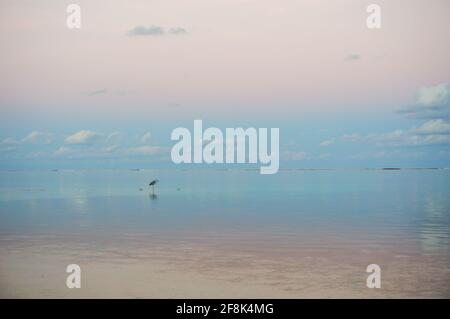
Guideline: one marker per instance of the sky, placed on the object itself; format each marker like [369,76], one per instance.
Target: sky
[110,93]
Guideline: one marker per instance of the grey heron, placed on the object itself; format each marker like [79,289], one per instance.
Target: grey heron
[152,185]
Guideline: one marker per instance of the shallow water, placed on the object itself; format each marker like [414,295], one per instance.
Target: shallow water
[403,210]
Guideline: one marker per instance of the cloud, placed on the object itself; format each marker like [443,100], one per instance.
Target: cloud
[385,154]
[63,151]
[110,149]
[8,149]
[327,142]
[434,95]
[411,137]
[325,156]
[36,136]
[33,137]
[437,126]
[431,140]
[82,137]
[9,141]
[146,150]
[304,156]
[114,137]
[352,57]
[430,102]
[86,153]
[177,31]
[295,155]
[36,155]
[354,137]
[97,145]
[406,138]
[146,31]
[432,132]
[145,139]
[154,31]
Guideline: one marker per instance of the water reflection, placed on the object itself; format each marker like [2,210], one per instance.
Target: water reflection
[360,207]
[434,231]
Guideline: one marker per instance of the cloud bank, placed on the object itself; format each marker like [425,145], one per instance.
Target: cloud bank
[432,132]
[82,137]
[431,103]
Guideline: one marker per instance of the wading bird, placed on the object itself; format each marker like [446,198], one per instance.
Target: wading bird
[152,185]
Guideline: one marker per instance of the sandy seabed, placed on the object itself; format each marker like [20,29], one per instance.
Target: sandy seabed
[34,266]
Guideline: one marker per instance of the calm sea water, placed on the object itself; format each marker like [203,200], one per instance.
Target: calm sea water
[326,208]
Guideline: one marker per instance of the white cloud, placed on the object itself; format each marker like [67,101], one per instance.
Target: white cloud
[366,155]
[431,102]
[295,155]
[36,155]
[354,137]
[327,142]
[91,152]
[386,154]
[394,137]
[63,151]
[8,149]
[434,95]
[146,138]
[431,140]
[145,150]
[9,141]
[110,149]
[107,151]
[36,136]
[33,137]
[437,126]
[324,156]
[409,137]
[114,137]
[82,137]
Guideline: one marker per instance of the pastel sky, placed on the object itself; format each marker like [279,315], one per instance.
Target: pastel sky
[111,92]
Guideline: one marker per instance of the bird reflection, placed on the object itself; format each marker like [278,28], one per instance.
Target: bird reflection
[153,196]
